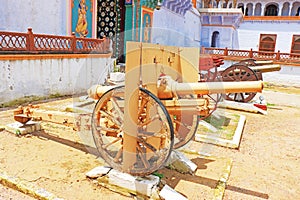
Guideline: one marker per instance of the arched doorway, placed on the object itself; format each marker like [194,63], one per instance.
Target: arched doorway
[271,10]
[298,12]
[215,39]
[257,10]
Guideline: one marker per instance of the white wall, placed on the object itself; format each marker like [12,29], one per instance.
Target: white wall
[249,34]
[170,28]
[44,16]
[227,37]
[42,77]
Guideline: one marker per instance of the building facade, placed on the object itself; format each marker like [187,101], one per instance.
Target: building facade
[267,25]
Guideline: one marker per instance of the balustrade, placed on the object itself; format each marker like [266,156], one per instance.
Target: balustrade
[14,42]
[258,55]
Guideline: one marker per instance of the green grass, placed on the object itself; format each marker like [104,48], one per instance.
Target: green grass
[28,99]
[225,126]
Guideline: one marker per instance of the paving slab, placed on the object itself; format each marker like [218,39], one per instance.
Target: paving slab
[224,130]
[26,187]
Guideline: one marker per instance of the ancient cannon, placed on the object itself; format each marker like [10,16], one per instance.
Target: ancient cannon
[135,126]
[244,70]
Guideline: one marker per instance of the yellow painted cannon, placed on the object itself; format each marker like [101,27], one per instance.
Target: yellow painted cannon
[136,126]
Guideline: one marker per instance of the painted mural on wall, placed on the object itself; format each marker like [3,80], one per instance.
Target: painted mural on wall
[82,13]
[147,24]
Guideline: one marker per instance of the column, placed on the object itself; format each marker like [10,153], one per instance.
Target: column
[280,9]
[262,9]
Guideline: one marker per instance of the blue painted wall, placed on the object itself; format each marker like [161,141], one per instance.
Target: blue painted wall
[227,37]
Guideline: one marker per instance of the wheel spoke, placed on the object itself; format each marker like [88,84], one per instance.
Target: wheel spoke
[111,143]
[118,155]
[152,119]
[245,77]
[111,118]
[182,124]
[107,129]
[143,157]
[119,112]
[149,146]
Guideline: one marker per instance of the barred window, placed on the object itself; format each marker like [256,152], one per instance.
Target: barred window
[295,44]
[267,42]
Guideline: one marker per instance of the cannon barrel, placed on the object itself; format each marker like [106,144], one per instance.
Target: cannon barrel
[169,88]
[266,68]
[217,87]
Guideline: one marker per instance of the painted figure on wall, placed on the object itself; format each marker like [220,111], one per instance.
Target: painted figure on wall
[82,18]
[147,30]
[147,24]
[81,27]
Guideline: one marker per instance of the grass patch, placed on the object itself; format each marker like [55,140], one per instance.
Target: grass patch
[270,104]
[29,99]
[225,126]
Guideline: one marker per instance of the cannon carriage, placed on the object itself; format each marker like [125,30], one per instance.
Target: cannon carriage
[135,126]
[244,70]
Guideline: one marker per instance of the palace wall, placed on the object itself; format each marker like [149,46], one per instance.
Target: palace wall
[43,75]
[249,34]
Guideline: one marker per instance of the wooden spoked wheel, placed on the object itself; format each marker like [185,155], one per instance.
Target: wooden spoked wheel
[155,134]
[239,73]
[185,127]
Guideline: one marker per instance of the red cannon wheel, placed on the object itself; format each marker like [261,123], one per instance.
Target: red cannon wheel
[239,73]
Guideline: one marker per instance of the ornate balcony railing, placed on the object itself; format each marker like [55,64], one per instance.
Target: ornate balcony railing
[14,42]
[233,54]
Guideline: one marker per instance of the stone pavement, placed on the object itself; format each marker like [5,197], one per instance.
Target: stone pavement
[287,76]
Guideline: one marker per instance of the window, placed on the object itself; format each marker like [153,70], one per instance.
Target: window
[271,10]
[296,44]
[267,42]
[215,39]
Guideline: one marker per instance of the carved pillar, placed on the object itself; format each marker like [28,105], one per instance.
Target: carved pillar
[263,9]
[280,9]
